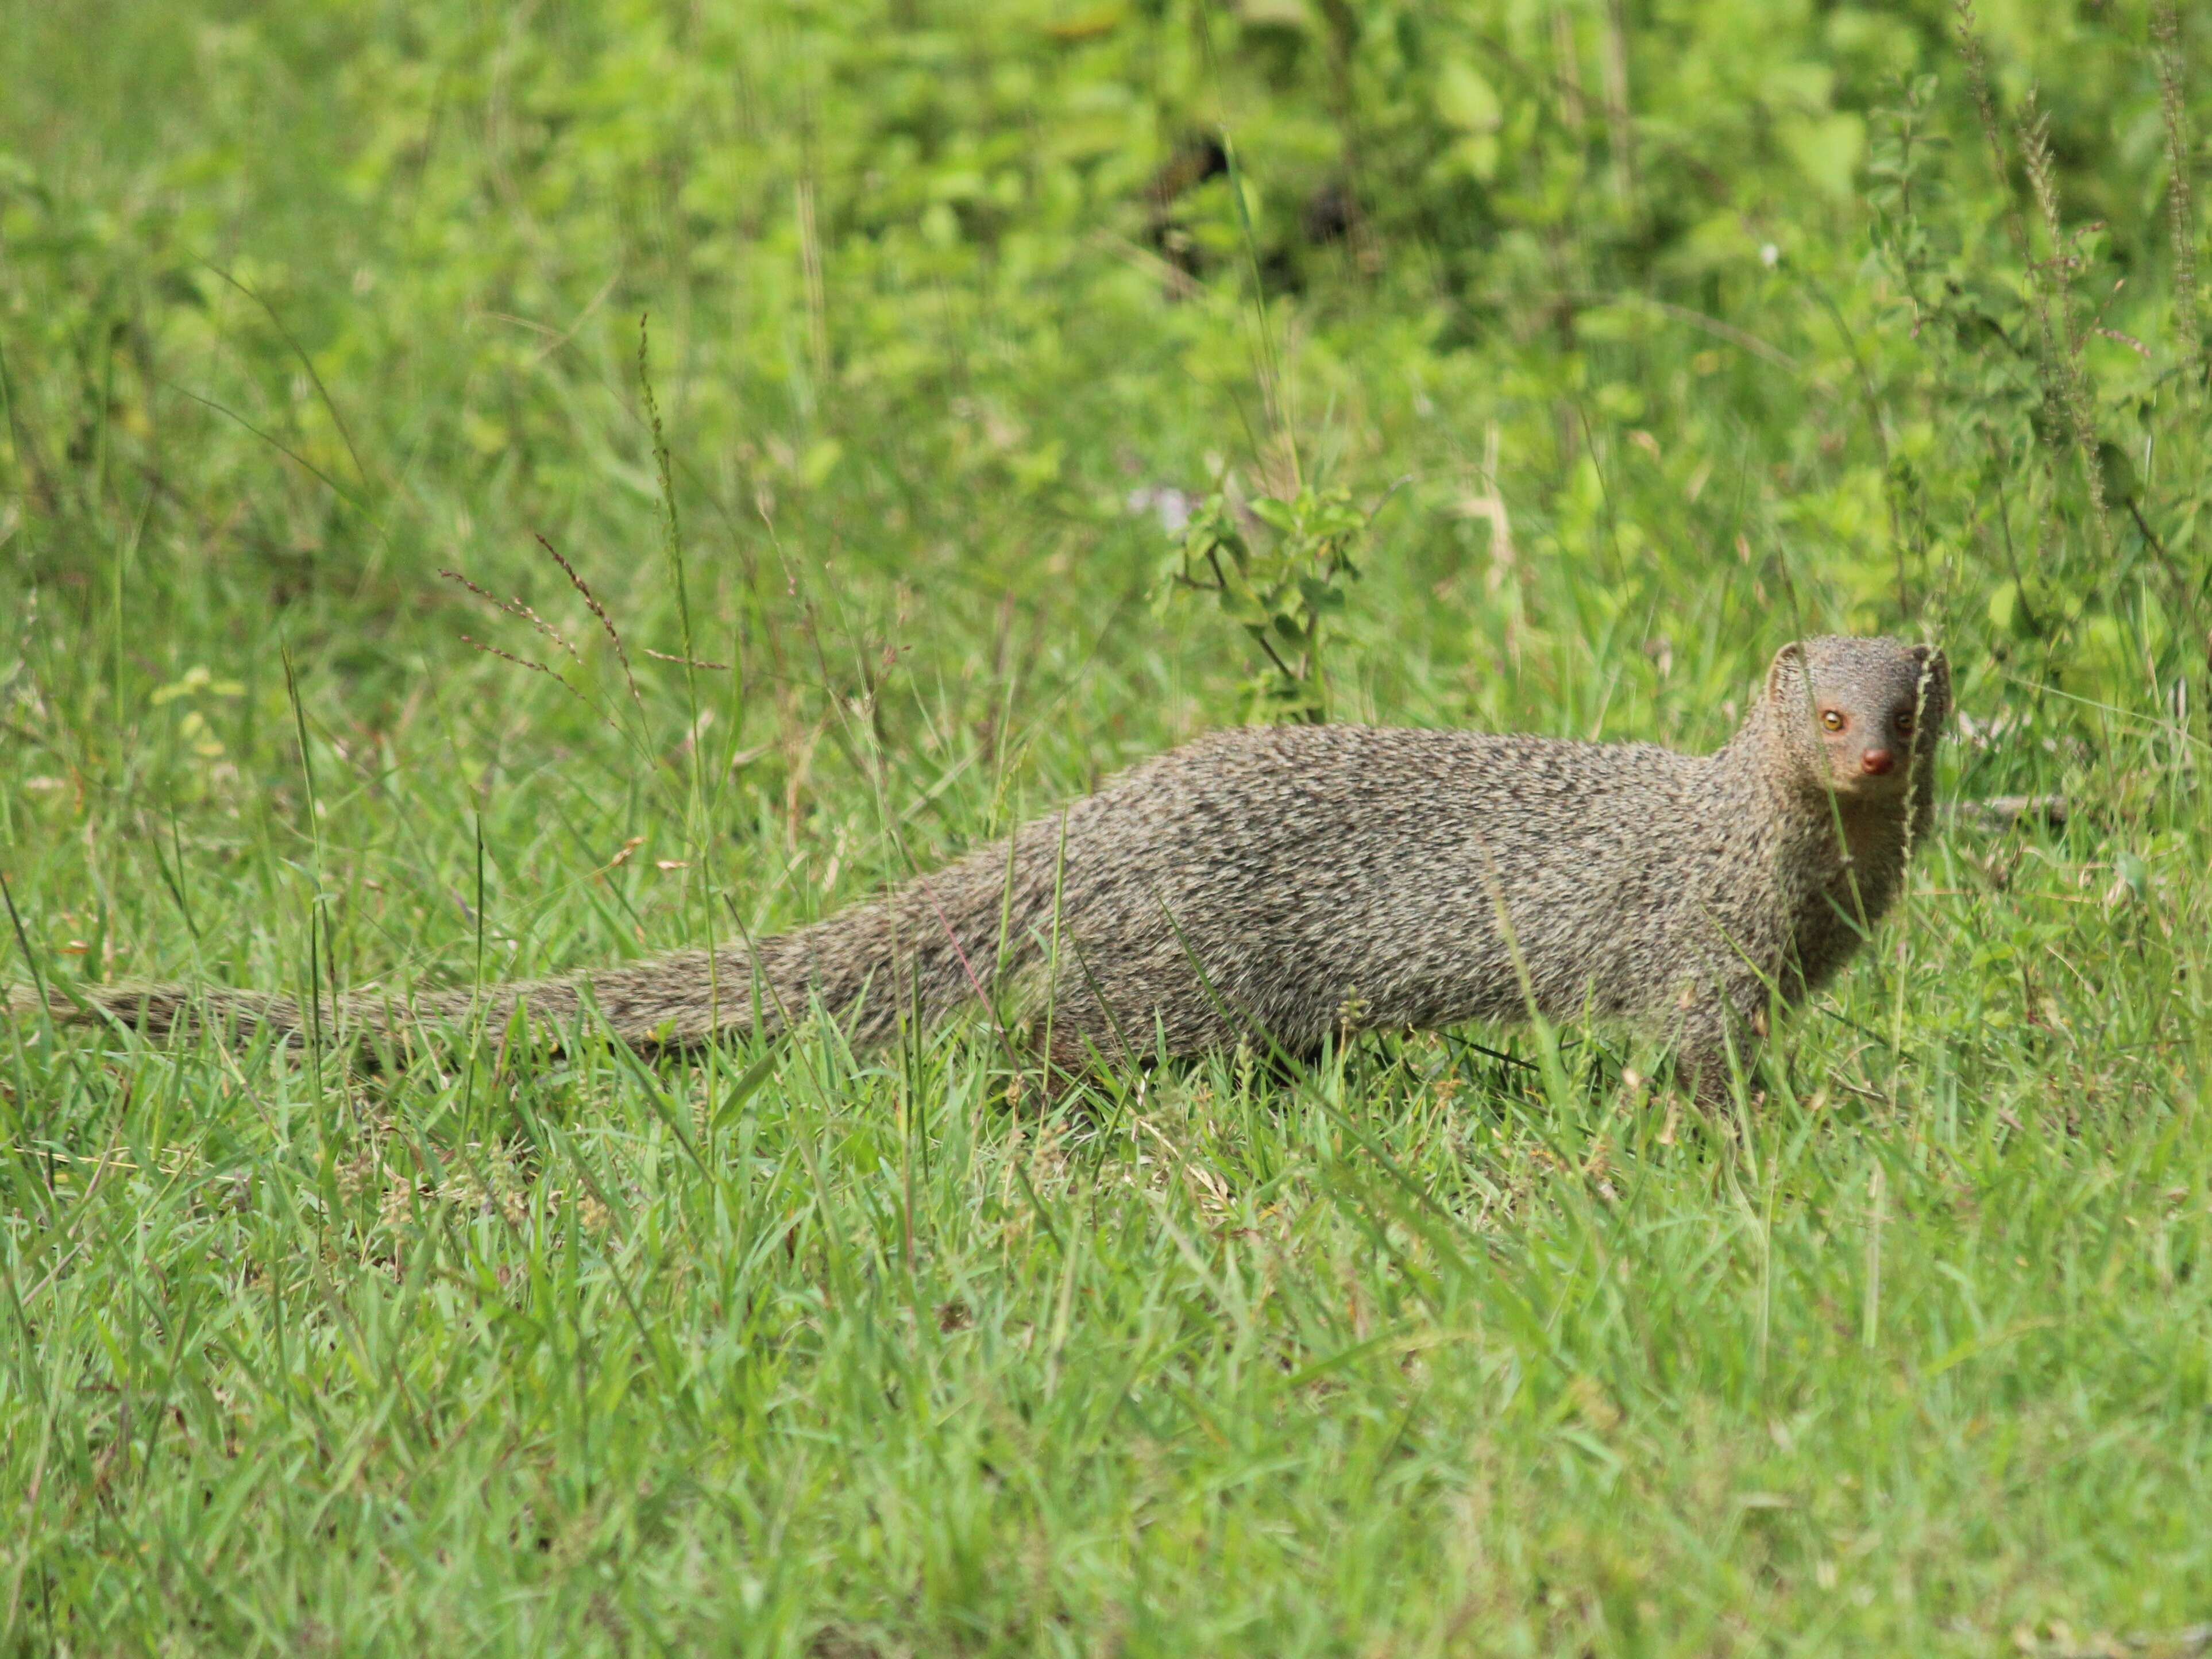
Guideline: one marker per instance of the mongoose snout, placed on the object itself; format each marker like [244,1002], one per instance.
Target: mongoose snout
[1280,886]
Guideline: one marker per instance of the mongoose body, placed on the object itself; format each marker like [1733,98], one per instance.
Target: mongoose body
[1275,886]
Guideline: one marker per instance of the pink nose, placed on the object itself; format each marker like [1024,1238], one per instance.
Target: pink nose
[1876,762]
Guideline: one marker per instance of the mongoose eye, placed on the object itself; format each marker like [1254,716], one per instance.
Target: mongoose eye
[1903,722]
[1832,719]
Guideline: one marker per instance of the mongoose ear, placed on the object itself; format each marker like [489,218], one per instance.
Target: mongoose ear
[1789,664]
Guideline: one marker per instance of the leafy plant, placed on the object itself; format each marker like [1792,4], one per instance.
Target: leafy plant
[1280,567]
[2043,418]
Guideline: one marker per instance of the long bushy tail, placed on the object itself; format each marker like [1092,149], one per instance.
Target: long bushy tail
[916,952]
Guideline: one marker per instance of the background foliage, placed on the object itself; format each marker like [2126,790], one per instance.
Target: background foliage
[1612,342]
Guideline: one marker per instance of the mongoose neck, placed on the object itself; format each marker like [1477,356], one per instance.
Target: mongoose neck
[1760,760]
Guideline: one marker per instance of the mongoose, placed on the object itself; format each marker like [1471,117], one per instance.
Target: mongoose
[1275,886]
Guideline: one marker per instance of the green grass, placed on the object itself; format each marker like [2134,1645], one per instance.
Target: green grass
[779,1352]
[787,1352]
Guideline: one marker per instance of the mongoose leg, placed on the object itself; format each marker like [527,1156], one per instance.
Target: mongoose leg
[1730,1016]
[1067,1063]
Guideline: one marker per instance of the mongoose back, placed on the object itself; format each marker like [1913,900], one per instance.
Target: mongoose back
[1278,885]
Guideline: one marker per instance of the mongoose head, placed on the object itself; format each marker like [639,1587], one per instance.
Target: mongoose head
[1860,716]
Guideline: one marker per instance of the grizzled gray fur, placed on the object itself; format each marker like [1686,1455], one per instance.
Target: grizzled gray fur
[1278,885]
